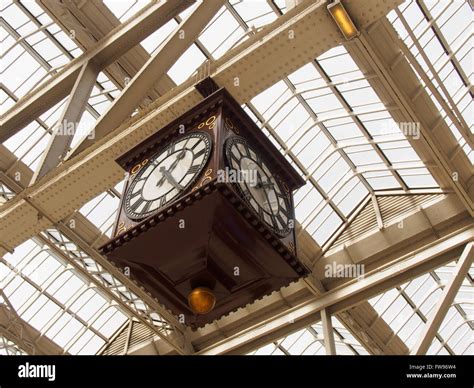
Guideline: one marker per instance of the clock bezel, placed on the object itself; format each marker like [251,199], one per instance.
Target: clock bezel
[229,142]
[208,151]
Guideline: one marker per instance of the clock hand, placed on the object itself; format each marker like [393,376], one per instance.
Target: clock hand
[172,166]
[170,178]
[262,185]
[265,192]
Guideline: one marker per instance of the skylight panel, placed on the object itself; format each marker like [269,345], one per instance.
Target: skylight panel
[84,127]
[308,194]
[255,13]
[324,103]
[87,343]
[407,307]
[271,99]
[381,180]
[221,33]
[19,67]
[311,146]
[35,303]
[124,9]
[307,207]
[13,14]
[306,77]
[294,342]
[88,304]
[43,45]
[438,30]
[358,93]
[350,195]
[30,135]
[101,211]
[418,177]
[186,65]
[47,287]
[337,170]
[364,155]
[310,341]
[399,151]
[19,292]
[157,38]
[344,129]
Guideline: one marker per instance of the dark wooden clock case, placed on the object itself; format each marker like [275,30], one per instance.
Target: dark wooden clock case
[209,236]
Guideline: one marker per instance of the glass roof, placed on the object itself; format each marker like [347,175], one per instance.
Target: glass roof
[439,35]
[51,296]
[406,307]
[310,341]
[8,348]
[325,118]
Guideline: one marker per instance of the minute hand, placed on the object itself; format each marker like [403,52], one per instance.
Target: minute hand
[172,166]
[170,178]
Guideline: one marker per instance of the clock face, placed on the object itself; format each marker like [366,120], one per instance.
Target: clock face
[258,185]
[167,174]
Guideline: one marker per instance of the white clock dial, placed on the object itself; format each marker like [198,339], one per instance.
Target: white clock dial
[167,174]
[261,189]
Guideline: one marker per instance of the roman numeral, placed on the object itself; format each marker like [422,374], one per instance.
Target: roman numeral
[163,201]
[246,194]
[171,149]
[260,211]
[133,195]
[284,211]
[147,207]
[280,218]
[196,144]
[198,154]
[274,222]
[235,158]
[280,195]
[194,169]
[137,204]
[259,158]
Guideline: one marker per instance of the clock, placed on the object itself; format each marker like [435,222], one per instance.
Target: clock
[260,188]
[167,174]
[201,245]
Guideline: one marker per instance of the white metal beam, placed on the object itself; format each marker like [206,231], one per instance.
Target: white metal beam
[115,287]
[157,66]
[328,333]
[446,218]
[344,297]
[259,62]
[67,124]
[379,50]
[107,50]
[25,336]
[445,301]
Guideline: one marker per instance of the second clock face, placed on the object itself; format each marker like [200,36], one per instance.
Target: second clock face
[167,174]
[260,188]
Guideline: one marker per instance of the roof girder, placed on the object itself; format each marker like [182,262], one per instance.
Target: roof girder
[111,47]
[378,50]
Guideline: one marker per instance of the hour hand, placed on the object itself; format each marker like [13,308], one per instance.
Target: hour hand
[170,178]
[262,184]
